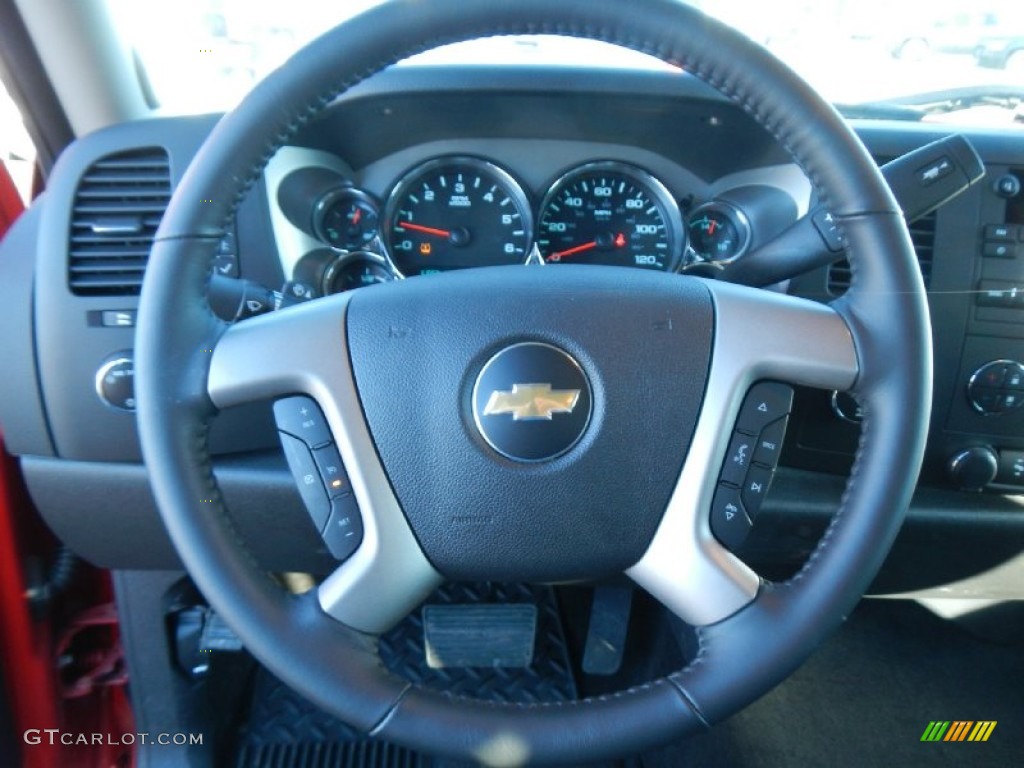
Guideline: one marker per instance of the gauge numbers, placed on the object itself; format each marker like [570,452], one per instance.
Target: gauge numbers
[457,212]
[610,213]
[719,232]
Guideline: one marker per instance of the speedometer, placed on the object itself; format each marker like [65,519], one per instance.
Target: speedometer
[456,212]
[610,213]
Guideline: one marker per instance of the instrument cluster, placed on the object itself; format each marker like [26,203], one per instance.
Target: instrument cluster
[463,211]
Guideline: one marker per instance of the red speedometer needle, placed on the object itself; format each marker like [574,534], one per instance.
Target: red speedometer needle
[357,215]
[425,230]
[577,249]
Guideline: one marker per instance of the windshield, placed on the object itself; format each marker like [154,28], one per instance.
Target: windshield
[958,60]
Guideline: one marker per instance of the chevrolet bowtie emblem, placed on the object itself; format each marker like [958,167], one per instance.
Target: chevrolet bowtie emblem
[531,402]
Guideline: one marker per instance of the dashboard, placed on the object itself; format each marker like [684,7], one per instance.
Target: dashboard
[430,169]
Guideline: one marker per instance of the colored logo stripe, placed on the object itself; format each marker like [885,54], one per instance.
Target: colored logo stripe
[982,730]
[958,730]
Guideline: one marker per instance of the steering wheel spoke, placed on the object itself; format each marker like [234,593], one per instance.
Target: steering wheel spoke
[758,336]
[304,350]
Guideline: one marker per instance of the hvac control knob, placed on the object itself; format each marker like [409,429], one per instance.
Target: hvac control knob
[974,468]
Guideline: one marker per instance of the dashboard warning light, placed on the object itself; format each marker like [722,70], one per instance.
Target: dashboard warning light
[425,249]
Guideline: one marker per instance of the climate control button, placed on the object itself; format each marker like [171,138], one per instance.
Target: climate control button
[997,387]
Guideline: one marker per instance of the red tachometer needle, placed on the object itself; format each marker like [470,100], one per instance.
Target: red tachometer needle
[425,230]
[577,249]
[357,216]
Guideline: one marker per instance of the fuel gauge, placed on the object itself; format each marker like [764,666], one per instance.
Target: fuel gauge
[719,231]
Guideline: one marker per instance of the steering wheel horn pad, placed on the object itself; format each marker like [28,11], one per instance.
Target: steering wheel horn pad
[875,341]
[590,513]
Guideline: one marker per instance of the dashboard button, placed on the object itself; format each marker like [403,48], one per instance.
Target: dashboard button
[729,522]
[995,294]
[766,402]
[311,488]
[769,444]
[990,375]
[1014,378]
[118,318]
[1006,232]
[1011,468]
[328,462]
[344,531]
[738,458]
[985,400]
[1009,401]
[1000,250]
[301,417]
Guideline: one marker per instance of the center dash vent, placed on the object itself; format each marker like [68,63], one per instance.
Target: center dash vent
[922,234]
[117,209]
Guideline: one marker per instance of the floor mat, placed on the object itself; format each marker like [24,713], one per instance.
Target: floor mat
[286,731]
[866,698]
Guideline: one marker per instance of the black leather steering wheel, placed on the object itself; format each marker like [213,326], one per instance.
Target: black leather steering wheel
[419,467]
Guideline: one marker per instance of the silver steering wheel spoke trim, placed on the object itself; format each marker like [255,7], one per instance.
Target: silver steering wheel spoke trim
[758,335]
[304,350]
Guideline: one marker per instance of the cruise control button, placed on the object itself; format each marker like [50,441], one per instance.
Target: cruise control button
[766,402]
[738,458]
[344,531]
[311,487]
[755,489]
[328,461]
[769,444]
[301,417]
[729,523]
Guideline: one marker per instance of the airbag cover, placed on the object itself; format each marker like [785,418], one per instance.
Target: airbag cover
[643,342]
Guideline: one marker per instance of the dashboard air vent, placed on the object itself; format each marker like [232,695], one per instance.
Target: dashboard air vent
[922,233]
[118,206]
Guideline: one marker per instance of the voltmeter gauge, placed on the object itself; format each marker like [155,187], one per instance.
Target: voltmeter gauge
[356,270]
[719,232]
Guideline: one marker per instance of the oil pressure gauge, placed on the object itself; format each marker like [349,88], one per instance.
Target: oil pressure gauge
[346,219]
[719,232]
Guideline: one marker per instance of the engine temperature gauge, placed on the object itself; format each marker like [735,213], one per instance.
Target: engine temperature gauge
[719,232]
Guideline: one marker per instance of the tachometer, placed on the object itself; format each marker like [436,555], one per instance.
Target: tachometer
[456,212]
[610,213]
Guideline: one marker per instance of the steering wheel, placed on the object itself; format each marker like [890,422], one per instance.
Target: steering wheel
[660,365]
